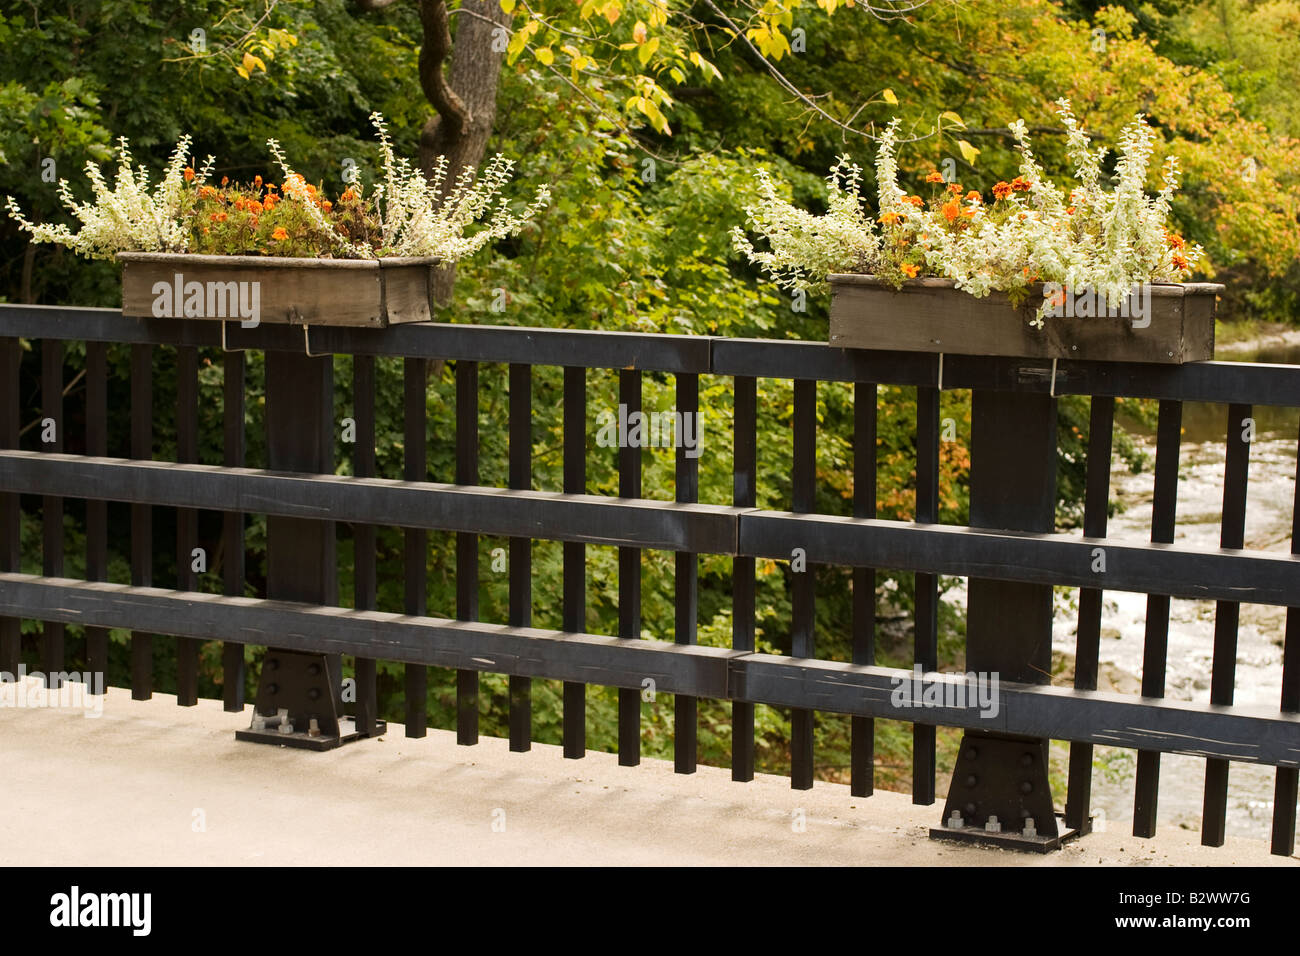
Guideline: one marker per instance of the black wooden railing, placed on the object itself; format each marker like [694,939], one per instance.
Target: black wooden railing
[1149,724]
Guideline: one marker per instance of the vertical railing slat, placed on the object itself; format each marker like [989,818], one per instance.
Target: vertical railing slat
[141,515]
[415,373]
[803,593]
[467,544]
[52,633]
[744,495]
[97,509]
[575,552]
[10,515]
[521,549]
[629,576]
[925,650]
[232,524]
[686,572]
[365,578]
[187,519]
[1096,505]
[1155,648]
[862,740]
[1288,778]
[1232,534]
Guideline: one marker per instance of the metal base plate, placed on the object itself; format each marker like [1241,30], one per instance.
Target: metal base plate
[1009,840]
[304,741]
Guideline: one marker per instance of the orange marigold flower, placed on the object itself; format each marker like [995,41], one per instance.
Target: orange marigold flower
[327,205]
[890,218]
[950,210]
[1021,184]
[973,196]
[348,195]
[280,234]
[206,191]
[222,217]
[916,201]
[954,188]
[934,178]
[269,203]
[1001,190]
[225,180]
[910,270]
[1069,210]
[254,206]
[968,212]
[239,204]
[311,190]
[1175,242]
[1179,262]
[257,181]
[188,174]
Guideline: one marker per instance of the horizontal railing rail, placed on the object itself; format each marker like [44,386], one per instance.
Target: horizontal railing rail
[1217,382]
[1262,577]
[1248,734]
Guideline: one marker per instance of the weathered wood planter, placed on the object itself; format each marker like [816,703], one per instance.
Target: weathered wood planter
[1165,323]
[253,289]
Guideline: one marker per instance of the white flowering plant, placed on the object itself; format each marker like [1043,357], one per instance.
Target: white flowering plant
[405,214]
[1104,239]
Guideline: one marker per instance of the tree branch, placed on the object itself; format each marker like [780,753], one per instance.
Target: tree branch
[433,53]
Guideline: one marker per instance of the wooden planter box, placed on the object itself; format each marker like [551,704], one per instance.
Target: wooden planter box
[1176,322]
[372,293]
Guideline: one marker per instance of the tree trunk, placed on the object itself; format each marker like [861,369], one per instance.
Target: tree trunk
[464,97]
[25,285]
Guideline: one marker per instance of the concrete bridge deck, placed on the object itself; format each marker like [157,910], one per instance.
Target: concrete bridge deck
[150,783]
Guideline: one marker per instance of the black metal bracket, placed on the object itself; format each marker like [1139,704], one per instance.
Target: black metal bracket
[1000,796]
[300,703]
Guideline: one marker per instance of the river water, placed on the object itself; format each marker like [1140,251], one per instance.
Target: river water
[1270,500]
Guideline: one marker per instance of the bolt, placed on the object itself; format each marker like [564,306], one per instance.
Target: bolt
[313,694]
[970,809]
[1030,830]
[1027,760]
[313,728]
[972,780]
[313,669]
[993,826]
[259,722]
[272,663]
[1026,787]
[955,821]
[273,689]
[972,752]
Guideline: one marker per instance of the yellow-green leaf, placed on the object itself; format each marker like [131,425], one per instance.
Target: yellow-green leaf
[507,6]
[889,96]
[648,50]
[968,151]
[952,117]
[545,55]
[242,72]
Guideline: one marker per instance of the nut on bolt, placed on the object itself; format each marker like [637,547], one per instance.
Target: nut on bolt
[993,826]
[955,821]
